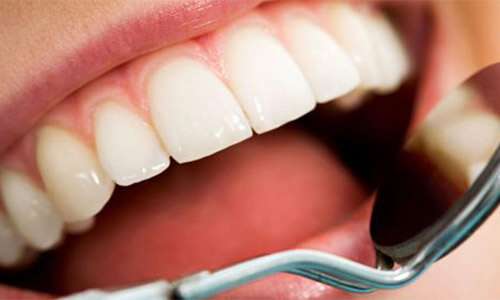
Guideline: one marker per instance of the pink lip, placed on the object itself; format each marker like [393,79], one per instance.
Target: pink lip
[139,27]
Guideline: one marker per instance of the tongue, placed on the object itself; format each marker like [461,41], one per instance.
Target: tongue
[270,193]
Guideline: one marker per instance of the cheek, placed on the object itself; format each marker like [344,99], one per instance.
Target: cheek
[482,21]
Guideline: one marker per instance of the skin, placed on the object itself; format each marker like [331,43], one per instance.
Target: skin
[37,35]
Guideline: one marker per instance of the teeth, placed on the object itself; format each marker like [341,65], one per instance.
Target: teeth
[127,146]
[393,62]
[329,70]
[351,31]
[267,82]
[461,141]
[30,210]
[73,178]
[194,112]
[12,248]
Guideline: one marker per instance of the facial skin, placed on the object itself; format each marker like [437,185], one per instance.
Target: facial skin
[39,41]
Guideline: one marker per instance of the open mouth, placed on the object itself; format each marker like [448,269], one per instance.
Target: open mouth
[255,137]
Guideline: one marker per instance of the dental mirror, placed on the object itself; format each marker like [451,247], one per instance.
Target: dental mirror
[438,168]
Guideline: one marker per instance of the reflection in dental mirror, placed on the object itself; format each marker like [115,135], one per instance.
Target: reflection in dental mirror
[441,159]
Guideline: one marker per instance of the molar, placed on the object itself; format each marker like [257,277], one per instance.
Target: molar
[12,247]
[460,144]
[193,111]
[30,210]
[71,173]
[127,146]
[329,70]
[266,80]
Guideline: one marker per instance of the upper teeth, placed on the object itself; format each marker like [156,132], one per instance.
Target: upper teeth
[190,101]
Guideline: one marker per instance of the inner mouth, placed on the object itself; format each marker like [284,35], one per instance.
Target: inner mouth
[283,189]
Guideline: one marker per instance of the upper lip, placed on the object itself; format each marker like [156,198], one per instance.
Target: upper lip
[136,28]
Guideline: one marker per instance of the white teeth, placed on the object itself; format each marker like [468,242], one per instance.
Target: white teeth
[73,178]
[12,248]
[127,146]
[267,82]
[329,70]
[351,31]
[461,141]
[393,62]
[194,112]
[30,210]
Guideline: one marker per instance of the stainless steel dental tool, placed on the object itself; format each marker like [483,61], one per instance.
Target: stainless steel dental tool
[433,223]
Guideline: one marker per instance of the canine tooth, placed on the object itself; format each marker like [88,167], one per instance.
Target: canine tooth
[393,61]
[351,31]
[329,70]
[73,178]
[127,146]
[460,141]
[12,247]
[30,210]
[267,82]
[80,226]
[194,112]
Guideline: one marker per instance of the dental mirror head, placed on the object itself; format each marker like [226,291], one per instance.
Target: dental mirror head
[438,171]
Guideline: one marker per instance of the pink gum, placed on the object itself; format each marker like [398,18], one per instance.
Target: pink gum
[127,84]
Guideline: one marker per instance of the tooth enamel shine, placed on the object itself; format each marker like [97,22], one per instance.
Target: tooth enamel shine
[127,146]
[193,111]
[267,82]
[330,72]
[30,210]
[72,175]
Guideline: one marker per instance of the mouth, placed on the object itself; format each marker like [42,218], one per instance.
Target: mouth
[235,139]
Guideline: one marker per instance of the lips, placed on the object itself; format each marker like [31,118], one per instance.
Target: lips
[226,221]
